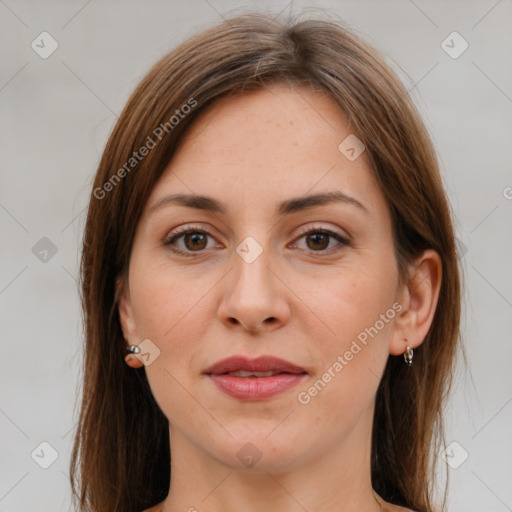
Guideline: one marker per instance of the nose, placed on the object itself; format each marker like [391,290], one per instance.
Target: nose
[254,296]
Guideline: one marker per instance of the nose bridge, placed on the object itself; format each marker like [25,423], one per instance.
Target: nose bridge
[252,276]
[252,295]
[252,262]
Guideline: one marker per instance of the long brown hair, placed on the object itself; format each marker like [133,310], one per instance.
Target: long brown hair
[121,457]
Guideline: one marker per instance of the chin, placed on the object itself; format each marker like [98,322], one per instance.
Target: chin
[255,452]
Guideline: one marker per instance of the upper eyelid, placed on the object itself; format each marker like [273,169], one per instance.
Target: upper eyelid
[308,229]
[302,231]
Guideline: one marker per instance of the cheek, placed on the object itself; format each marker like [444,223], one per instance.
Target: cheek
[169,312]
[353,347]
[164,299]
[353,338]
[350,307]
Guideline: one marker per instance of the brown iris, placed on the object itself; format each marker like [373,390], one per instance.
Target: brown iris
[198,240]
[321,240]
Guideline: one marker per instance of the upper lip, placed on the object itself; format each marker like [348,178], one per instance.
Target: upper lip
[260,364]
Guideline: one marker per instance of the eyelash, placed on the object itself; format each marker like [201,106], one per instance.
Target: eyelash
[193,229]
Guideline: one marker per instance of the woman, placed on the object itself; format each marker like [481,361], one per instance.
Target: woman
[269,244]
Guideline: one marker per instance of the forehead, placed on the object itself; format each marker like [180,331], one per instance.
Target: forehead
[275,142]
[280,119]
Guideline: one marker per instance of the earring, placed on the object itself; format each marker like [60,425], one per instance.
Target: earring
[408,354]
[130,359]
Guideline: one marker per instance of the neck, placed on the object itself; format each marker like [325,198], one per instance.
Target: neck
[336,479]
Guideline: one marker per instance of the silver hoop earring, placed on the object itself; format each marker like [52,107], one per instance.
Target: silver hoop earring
[408,354]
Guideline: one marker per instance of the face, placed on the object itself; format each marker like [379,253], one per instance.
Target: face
[253,272]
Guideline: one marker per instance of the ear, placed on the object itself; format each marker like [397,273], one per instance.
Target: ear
[125,310]
[418,298]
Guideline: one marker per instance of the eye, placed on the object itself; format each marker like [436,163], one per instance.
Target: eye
[194,239]
[319,239]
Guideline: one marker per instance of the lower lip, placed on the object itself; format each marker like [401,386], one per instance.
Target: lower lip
[256,388]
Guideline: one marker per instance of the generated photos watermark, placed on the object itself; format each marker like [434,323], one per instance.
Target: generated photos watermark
[151,142]
[304,397]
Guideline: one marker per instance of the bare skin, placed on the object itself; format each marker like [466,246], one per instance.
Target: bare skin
[251,153]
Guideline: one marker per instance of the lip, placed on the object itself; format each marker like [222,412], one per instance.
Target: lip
[260,364]
[255,388]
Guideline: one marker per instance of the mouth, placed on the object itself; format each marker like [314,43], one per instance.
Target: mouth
[245,374]
[255,379]
[263,366]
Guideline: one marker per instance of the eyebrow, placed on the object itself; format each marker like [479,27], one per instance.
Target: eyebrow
[289,206]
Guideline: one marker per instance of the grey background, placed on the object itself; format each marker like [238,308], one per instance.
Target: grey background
[56,116]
